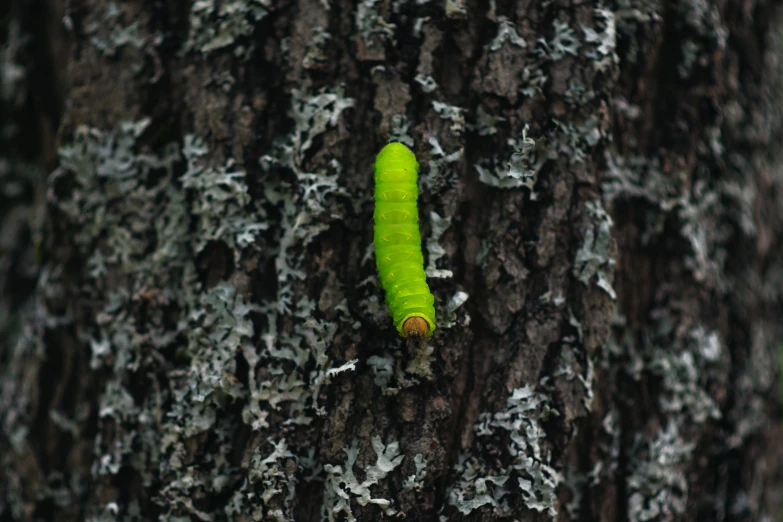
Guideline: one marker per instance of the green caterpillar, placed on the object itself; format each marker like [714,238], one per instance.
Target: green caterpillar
[398,242]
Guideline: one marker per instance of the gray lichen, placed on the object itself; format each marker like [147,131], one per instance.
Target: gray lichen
[316,57]
[221,199]
[12,72]
[415,482]
[448,317]
[111,192]
[486,123]
[522,168]
[564,43]
[603,55]
[456,9]
[383,371]
[568,369]
[427,82]
[517,434]
[696,206]
[312,115]
[533,80]
[439,226]
[578,138]
[475,489]
[593,257]
[20,237]
[684,362]
[342,487]
[754,380]
[218,25]
[371,25]
[705,21]
[109,172]
[507,32]
[441,165]
[119,35]
[657,485]
[400,130]
[451,113]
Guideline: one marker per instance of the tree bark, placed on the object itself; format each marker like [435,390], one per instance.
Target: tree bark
[601,193]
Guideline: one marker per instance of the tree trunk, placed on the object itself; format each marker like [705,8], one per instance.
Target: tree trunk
[601,201]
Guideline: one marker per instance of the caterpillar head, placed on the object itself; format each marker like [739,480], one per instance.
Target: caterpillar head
[415,328]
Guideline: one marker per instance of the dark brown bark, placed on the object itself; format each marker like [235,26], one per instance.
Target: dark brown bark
[601,192]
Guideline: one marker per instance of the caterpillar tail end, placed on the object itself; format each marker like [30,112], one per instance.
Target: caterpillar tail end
[415,328]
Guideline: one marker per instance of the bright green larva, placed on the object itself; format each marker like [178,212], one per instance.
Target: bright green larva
[398,242]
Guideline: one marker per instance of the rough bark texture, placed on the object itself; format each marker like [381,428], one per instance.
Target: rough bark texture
[601,200]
